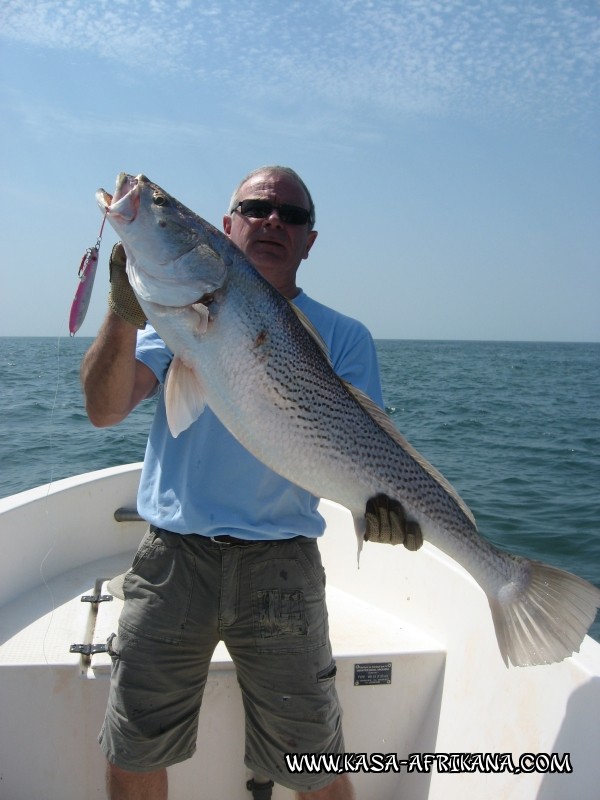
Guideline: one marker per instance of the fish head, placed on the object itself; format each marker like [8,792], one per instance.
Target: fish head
[170,259]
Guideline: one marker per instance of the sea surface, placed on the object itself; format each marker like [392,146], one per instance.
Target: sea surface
[515,427]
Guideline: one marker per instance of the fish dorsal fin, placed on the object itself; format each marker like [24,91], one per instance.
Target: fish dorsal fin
[184,396]
[312,331]
[382,419]
[384,422]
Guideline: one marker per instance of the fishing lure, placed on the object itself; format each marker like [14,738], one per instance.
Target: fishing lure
[86,274]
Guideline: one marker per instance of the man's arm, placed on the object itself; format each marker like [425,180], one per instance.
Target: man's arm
[113,381]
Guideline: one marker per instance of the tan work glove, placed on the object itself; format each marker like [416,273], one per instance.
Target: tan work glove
[387,523]
[121,298]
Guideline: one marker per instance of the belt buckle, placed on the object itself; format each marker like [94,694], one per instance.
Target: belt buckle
[219,540]
[225,540]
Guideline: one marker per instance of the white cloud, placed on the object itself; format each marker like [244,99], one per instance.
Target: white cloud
[536,59]
[49,122]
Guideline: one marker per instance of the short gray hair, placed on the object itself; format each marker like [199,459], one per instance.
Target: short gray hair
[285,171]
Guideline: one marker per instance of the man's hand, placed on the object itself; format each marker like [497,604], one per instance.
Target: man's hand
[122,299]
[387,523]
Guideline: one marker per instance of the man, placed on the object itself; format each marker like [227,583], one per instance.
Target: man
[227,535]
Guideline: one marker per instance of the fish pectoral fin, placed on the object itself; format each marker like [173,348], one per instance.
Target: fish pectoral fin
[184,396]
[203,316]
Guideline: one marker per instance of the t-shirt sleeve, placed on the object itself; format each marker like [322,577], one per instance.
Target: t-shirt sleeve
[357,362]
[153,352]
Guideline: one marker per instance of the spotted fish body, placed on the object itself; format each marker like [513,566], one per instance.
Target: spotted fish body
[240,347]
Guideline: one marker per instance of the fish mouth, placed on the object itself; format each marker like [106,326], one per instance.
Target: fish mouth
[124,204]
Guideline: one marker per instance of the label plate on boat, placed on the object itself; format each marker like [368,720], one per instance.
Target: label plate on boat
[373,674]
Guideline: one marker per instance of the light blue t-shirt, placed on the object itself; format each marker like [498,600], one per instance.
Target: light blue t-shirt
[205,482]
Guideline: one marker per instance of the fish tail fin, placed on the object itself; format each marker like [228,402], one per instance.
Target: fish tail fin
[542,614]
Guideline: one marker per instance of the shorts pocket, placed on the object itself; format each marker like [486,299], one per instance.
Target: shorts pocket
[280,613]
[288,606]
[158,589]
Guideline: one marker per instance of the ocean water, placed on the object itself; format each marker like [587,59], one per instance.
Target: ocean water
[515,427]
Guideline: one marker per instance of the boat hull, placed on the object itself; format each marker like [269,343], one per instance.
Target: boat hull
[419,669]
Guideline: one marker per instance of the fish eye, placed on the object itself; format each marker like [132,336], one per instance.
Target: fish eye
[160,200]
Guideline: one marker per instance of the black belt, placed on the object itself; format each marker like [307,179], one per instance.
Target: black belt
[232,541]
[228,541]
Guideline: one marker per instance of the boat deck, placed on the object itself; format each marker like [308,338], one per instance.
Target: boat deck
[39,627]
[418,665]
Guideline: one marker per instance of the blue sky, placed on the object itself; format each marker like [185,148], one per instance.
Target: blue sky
[452,148]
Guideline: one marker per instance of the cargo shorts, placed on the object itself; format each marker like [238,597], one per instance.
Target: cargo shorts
[266,601]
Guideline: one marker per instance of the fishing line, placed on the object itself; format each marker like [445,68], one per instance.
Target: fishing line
[48,490]
[86,275]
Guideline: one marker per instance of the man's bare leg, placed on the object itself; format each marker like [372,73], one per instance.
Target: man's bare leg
[339,789]
[123,785]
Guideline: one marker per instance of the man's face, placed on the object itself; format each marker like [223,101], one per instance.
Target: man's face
[274,247]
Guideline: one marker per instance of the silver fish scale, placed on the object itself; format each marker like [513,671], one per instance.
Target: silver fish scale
[269,383]
[325,440]
[304,423]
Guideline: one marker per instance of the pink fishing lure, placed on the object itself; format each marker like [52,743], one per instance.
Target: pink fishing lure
[86,273]
[81,301]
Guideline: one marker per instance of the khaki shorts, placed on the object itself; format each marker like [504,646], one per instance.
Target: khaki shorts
[266,601]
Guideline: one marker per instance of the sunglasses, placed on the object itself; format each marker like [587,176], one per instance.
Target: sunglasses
[261,209]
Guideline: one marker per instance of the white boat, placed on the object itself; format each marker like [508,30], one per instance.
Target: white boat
[419,671]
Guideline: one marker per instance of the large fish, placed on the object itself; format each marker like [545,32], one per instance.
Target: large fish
[240,348]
